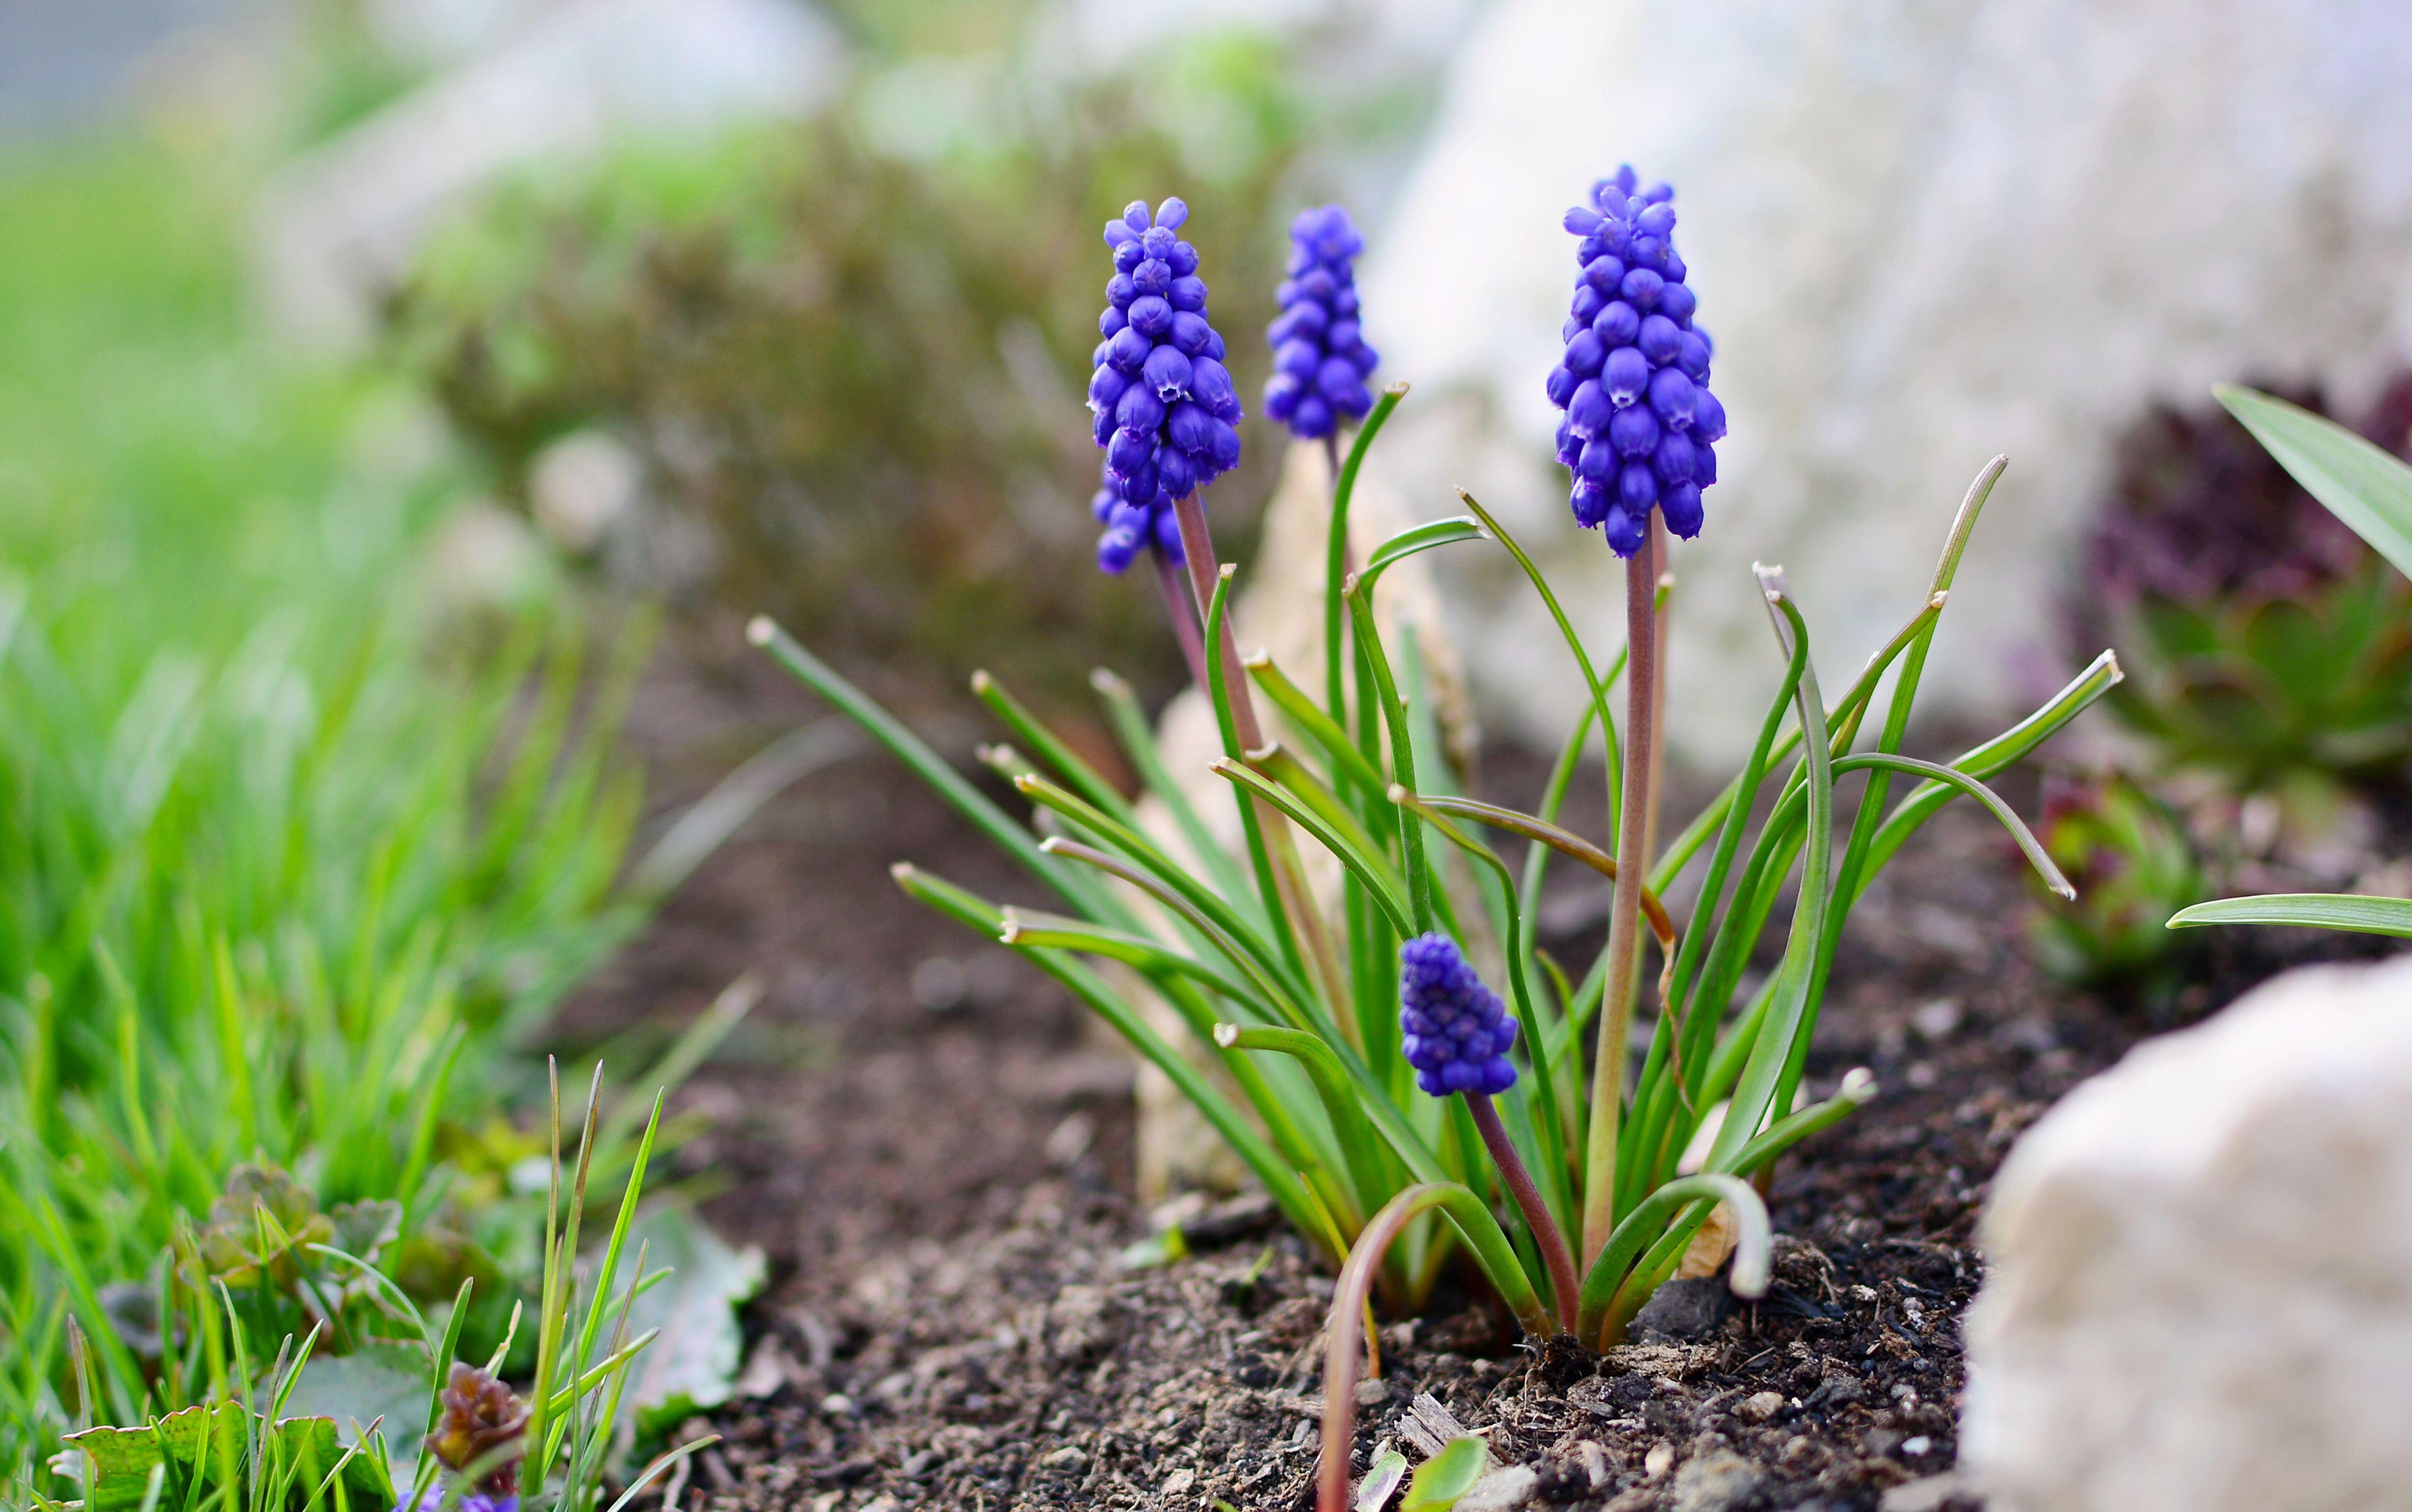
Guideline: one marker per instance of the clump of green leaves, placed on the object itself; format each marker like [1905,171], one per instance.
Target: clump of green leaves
[304,1433]
[2134,867]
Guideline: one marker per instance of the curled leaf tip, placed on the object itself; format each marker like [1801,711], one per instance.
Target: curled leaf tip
[1052,843]
[1750,1275]
[1258,657]
[1942,596]
[758,630]
[1859,1085]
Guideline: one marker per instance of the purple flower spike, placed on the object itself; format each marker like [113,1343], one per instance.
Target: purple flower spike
[1162,401]
[1457,1032]
[1320,359]
[1635,374]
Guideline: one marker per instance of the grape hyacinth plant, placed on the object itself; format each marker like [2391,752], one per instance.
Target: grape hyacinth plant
[1401,1113]
[1320,359]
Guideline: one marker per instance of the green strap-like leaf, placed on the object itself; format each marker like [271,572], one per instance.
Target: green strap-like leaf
[1406,543]
[1335,563]
[2361,484]
[2311,910]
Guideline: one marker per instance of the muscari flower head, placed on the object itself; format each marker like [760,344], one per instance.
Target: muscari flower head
[1457,1033]
[1320,359]
[1164,403]
[1634,379]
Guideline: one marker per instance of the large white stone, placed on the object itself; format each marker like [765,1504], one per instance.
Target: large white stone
[1923,231]
[2199,1294]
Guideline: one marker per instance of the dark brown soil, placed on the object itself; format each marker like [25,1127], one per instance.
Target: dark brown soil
[941,1177]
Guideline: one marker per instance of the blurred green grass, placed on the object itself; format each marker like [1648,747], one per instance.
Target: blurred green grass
[290,841]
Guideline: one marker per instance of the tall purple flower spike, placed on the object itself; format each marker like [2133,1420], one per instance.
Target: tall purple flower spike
[1165,406]
[1320,359]
[1456,1032]
[1640,422]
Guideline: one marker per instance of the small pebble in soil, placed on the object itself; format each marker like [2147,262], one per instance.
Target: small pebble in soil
[1717,1481]
[1685,1309]
[1759,1408]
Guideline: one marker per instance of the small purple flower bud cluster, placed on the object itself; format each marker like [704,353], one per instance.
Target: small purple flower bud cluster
[1457,1032]
[1634,380]
[1164,403]
[1320,359]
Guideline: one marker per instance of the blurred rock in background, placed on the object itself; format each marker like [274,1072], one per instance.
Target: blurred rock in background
[1922,234]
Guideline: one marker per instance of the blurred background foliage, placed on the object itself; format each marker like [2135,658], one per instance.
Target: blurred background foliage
[844,360]
[312,799]
[2267,710]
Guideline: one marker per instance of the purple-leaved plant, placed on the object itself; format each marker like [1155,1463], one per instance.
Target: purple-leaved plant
[1164,405]
[1320,359]
[1634,378]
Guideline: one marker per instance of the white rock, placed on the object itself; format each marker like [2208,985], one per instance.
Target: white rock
[2200,1287]
[1922,234]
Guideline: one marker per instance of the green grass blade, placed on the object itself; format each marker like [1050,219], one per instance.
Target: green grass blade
[1049,748]
[1353,847]
[1026,928]
[1992,756]
[1137,739]
[1403,759]
[2311,910]
[926,764]
[1348,762]
[1791,1008]
[1406,543]
[1336,551]
[2361,484]
[1595,683]
[1280,1181]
